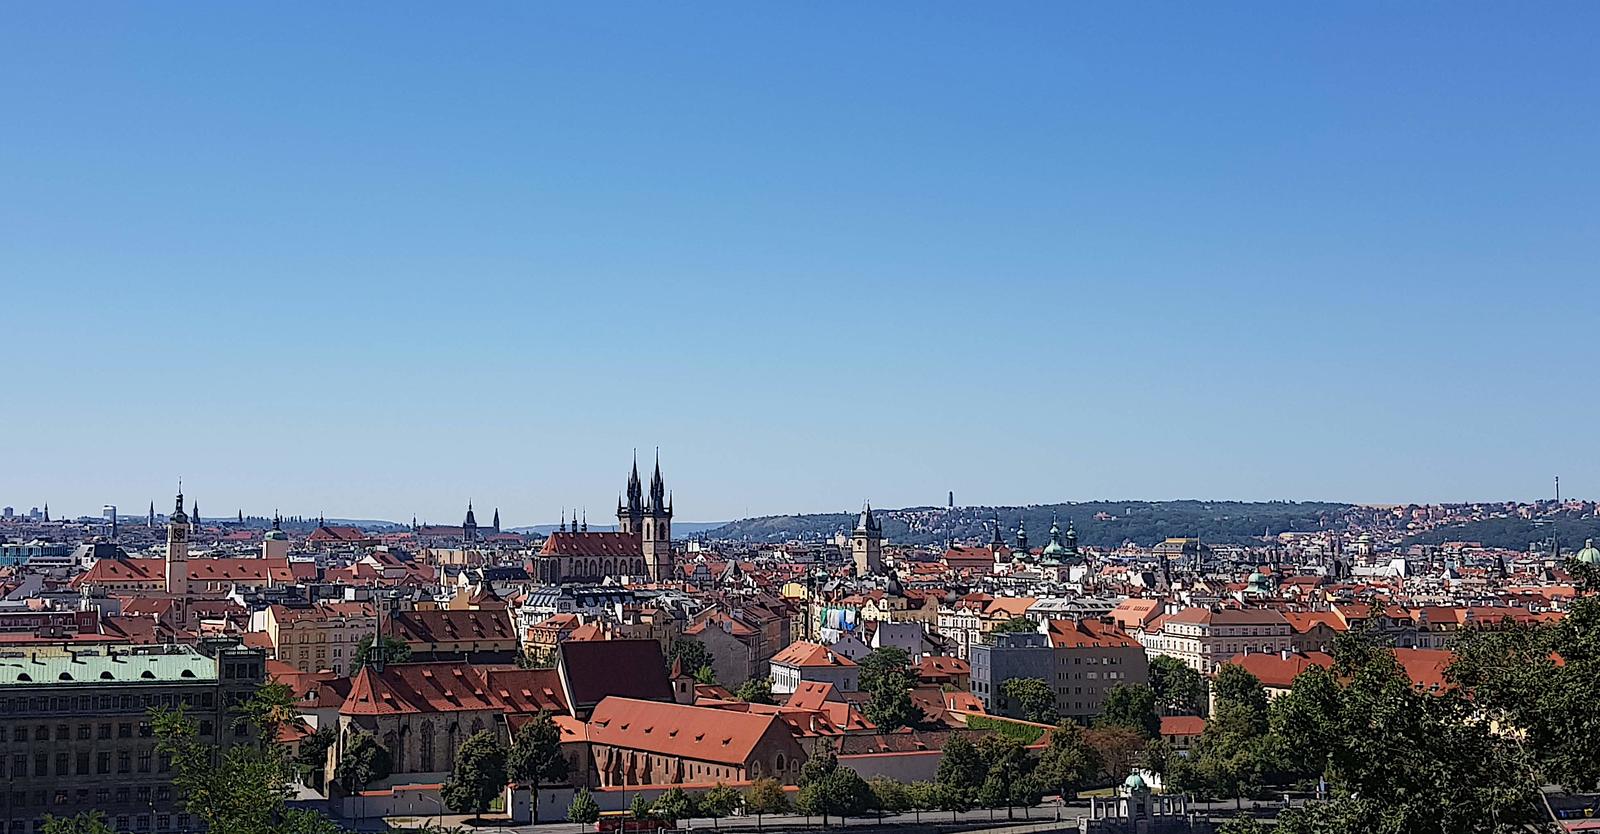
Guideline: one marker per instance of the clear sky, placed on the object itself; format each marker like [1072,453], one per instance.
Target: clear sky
[375,259]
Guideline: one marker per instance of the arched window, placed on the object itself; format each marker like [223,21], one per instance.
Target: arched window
[425,748]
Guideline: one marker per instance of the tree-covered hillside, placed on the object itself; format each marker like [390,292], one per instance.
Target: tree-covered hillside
[1099,523]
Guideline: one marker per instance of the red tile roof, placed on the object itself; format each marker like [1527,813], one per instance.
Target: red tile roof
[804,654]
[699,733]
[592,544]
[442,625]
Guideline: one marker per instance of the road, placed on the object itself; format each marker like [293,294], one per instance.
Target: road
[1041,814]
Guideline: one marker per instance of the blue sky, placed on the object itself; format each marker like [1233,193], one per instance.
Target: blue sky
[376,259]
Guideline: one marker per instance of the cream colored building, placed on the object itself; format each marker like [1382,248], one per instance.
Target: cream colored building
[1205,639]
[319,637]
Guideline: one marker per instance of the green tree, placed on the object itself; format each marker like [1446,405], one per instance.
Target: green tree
[1032,697]
[881,662]
[922,796]
[1179,688]
[1235,684]
[961,772]
[272,708]
[237,789]
[1511,671]
[363,761]
[889,705]
[1015,625]
[535,755]
[1068,762]
[842,793]
[818,766]
[640,808]
[583,810]
[889,796]
[718,802]
[1400,760]
[395,650]
[84,822]
[1132,706]
[1117,748]
[765,796]
[691,655]
[755,691]
[479,774]
[1008,774]
[1243,825]
[672,805]
[311,760]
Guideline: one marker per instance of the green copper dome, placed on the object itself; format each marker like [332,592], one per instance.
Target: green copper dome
[1589,555]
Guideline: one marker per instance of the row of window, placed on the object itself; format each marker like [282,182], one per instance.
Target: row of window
[143,795]
[77,764]
[102,703]
[140,822]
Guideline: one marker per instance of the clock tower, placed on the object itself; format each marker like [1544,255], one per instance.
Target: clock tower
[177,563]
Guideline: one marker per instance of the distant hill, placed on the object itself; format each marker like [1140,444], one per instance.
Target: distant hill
[1098,523]
[1514,533]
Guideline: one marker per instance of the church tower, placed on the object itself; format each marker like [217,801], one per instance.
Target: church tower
[866,543]
[178,551]
[630,515]
[469,527]
[656,533]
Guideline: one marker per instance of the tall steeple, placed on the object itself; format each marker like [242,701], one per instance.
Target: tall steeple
[47,511]
[630,511]
[654,526]
[151,520]
[177,560]
[658,489]
[496,524]
[866,543]
[469,527]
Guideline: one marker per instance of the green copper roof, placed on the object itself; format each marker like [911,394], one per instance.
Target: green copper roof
[1589,553]
[57,667]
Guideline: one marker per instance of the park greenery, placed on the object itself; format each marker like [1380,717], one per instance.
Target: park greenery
[1032,697]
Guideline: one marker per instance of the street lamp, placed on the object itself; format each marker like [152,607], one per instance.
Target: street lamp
[438,819]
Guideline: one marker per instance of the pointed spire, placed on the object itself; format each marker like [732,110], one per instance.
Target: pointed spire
[496,524]
[585,520]
[47,511]
[563,519]
[658,488]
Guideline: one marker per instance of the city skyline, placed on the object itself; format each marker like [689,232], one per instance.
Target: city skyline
[379,264]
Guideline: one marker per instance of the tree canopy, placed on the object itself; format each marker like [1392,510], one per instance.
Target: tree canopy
[535,755]
[1031,697]
[1178,686]
[394,650]
[479,774]
[1133,707]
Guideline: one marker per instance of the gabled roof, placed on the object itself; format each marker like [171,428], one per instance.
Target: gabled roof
[804,654]
[592,544]
[527,690]
[1276,671]
[1082,634]
[418,687]
[699,733]
[593,670]
[443,625]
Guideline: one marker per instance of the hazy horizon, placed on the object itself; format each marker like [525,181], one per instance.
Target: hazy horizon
[381,260]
